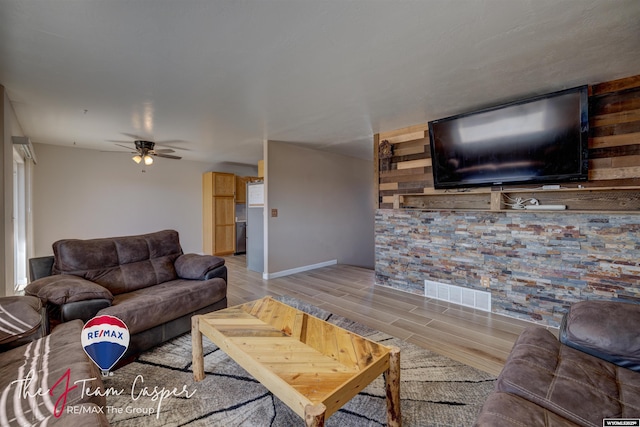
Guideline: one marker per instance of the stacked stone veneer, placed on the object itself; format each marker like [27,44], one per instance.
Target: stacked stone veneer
[538,263]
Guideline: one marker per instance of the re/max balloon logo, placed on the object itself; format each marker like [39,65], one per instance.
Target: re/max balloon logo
[105,339]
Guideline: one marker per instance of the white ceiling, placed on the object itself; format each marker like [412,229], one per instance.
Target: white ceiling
[221,76]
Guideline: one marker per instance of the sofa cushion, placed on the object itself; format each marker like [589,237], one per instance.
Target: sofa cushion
[47,364]
[503,409]
[120,264]
[568,382]
[613,337]
[65,288]
[149,307]
[194,266]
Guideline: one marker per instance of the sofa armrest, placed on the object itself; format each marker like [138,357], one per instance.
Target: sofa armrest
[220,272]
[40,267]
[197,267]
[61,289]
[604,329]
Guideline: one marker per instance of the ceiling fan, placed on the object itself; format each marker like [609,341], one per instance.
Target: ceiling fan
[145,150]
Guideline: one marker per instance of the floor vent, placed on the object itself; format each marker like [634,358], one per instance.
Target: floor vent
[458,295]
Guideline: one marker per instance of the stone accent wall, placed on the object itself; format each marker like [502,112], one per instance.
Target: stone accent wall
[538,263]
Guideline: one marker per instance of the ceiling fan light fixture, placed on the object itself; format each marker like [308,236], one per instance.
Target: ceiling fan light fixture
[148,160]
[136,158]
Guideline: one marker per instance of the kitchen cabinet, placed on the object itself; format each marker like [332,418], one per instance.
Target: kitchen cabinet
[218,213]
[241,189]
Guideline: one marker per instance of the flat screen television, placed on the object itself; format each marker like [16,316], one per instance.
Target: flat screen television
[536,140]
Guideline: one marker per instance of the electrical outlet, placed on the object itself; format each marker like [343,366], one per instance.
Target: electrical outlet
[485,281]
[274,213]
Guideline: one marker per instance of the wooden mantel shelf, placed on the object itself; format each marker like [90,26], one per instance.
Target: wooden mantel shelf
[592,199]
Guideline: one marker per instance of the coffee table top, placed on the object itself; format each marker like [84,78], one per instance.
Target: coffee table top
[300,358]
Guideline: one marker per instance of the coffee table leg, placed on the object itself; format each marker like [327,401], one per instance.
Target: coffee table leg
[314,415]
[392,386]
[196,349]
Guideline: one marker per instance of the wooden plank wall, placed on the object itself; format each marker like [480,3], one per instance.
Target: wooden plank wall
[614,146]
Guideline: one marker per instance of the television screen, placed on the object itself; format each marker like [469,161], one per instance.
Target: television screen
[537,140]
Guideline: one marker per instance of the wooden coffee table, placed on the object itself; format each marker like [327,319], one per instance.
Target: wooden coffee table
[313,366]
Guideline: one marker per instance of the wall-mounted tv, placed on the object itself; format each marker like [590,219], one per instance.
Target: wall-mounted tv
[536,140]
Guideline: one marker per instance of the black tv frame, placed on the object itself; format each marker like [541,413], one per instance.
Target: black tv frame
[578,176]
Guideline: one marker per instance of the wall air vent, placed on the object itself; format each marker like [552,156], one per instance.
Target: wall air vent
[458,295]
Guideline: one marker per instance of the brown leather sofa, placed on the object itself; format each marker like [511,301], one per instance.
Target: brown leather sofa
[590,374]
[40,376]
[145,280]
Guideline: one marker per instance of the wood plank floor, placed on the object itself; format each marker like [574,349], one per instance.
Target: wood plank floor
[473,337]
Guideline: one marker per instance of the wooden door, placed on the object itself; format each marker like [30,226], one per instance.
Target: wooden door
[224,225]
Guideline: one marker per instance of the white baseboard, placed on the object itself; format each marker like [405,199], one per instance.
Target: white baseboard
[267,276]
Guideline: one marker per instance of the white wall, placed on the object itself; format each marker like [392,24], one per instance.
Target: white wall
[81,193]
[324,204]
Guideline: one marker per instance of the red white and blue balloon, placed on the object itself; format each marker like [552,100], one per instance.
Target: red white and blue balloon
[105,339]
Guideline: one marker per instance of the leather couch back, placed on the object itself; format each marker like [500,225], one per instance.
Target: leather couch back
[120,264]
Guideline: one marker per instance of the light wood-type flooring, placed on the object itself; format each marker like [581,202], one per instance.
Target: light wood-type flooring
[474,337]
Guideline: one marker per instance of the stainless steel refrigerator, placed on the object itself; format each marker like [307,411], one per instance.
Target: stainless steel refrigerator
[255,227]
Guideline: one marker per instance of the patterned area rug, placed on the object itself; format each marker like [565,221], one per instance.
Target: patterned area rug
[158,389]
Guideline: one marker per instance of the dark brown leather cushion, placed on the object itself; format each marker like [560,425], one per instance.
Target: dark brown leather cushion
[63,288]
[120,264]
[568,382]
[145,308]
[605,329]
[194,266]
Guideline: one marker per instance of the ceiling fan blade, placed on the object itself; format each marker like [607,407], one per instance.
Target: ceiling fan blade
[118,141]
[171,141]
[124,146]
[172,146]
[167,156]
[137,137]
[156,149]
